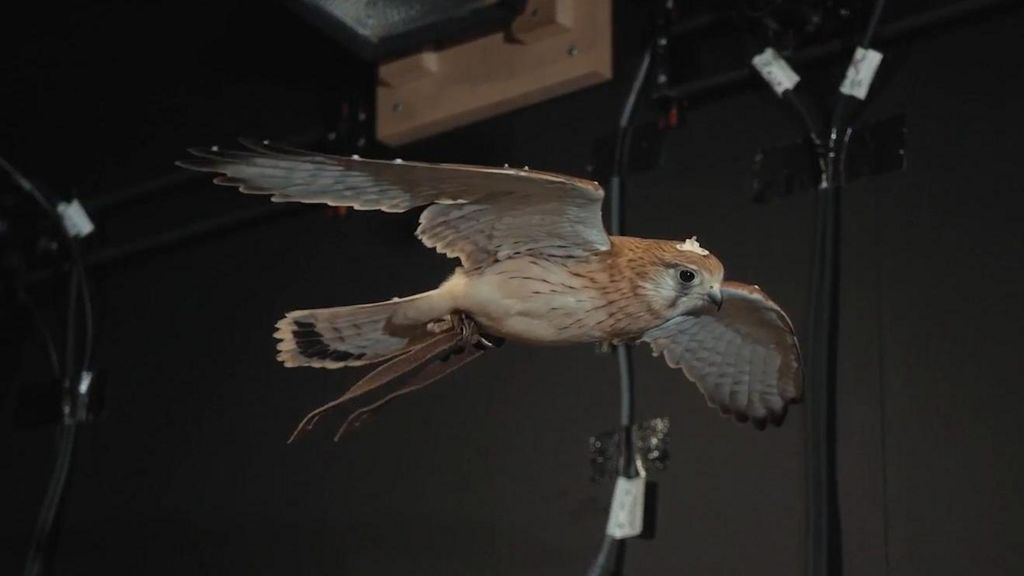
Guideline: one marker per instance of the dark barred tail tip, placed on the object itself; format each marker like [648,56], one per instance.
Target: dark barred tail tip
[774,418]
[311,344]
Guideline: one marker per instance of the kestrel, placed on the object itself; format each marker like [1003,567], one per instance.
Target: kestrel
[537,267]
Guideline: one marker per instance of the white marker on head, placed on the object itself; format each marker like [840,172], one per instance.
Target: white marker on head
[691,245]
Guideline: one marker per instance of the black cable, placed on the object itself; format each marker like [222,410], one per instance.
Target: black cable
[73,373]
[839,147]
[41,537]
[869,30]
[824,539]
[619,169]
[609,559]
[900,29]
[822,513]
[823,543]
[89,330]
[74,254]
[26,185]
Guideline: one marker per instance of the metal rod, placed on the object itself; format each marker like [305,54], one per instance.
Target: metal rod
[174,179]
[172,237]
[190,232]
[141,190]
[698,23]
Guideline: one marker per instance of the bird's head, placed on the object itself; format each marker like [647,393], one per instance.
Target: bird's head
[683,278]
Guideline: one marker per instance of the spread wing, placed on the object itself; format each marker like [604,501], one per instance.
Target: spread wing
[744,358]
[475,213]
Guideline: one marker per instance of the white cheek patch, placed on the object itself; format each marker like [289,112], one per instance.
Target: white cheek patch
[691,245]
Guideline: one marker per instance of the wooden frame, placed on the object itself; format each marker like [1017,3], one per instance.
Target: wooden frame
[554,47]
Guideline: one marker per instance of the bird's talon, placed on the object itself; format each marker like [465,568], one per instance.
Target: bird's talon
[489,342]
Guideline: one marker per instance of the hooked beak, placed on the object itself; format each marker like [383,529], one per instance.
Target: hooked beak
[715,296]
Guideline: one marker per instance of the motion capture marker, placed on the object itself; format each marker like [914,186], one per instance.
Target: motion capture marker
[266,142]
[215,148]
[506,164]
[526,167]
[691,245]
[356,157]
[397,161]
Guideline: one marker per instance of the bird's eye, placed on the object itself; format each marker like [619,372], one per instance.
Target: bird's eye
[687,276]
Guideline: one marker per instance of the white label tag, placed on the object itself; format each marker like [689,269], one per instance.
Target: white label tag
[860,72]
[775,70]
[76,220]
[626,518]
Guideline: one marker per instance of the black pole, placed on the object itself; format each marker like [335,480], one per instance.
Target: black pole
[173,179]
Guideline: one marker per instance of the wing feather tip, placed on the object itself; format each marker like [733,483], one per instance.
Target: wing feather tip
[198,164]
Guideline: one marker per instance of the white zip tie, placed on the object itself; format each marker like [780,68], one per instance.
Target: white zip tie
[861,72]
[75,219]
[775,70]
[626,517]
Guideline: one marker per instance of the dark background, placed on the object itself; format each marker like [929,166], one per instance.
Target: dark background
[486,472]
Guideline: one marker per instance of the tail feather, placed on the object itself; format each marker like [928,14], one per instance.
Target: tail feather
[347,336]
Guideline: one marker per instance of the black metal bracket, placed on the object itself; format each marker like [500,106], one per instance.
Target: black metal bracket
[788,169]
[650,443]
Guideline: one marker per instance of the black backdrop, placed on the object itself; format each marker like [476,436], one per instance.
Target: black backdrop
[486,472]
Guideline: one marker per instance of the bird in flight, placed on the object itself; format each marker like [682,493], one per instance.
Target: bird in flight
[537,267]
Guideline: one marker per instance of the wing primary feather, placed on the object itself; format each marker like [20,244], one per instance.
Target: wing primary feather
[479,214]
